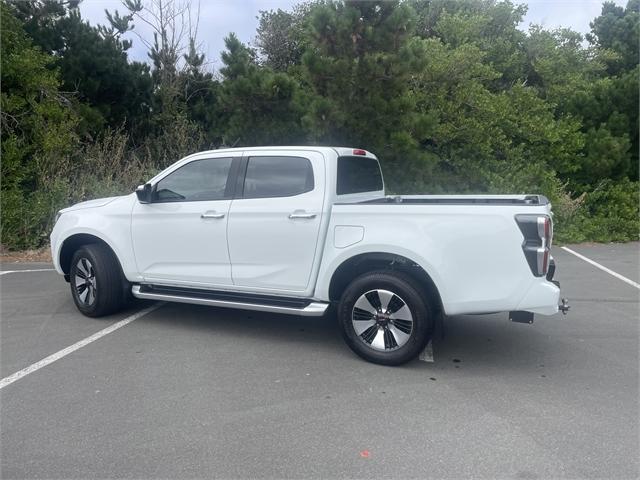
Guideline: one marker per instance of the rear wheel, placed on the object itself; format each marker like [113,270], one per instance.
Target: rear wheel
[96,281]
[384,318]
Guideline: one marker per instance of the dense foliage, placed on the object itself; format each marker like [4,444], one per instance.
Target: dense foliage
[450,94]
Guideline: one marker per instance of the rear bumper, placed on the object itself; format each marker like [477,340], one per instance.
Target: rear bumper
[544,296]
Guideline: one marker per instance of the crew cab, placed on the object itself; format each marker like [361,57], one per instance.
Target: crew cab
[296,229]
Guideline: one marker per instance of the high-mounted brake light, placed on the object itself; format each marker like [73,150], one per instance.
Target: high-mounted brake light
[538,234]
[359,151]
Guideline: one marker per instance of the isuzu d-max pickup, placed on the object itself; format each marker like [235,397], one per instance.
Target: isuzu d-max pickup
[297,229]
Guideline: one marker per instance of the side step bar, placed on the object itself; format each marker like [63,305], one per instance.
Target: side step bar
[262,303]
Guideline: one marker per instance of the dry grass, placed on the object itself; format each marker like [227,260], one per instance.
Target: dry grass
[39,255]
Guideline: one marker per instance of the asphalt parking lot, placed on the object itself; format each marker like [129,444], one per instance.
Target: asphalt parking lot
[188,391]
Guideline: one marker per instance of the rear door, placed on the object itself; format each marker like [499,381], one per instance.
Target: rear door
[274,221]
[180,238]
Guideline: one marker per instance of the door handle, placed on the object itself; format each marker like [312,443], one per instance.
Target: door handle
[295,215]
[212,215]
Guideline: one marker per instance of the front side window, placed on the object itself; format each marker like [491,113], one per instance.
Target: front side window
[199,180]
[277,177]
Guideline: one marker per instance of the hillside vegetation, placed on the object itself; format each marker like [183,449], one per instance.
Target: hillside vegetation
[450,94]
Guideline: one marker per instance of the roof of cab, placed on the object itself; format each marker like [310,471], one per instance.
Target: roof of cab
[341,151]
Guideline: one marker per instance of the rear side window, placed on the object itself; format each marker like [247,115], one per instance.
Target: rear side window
[199,180]
[358,174]
[277,177]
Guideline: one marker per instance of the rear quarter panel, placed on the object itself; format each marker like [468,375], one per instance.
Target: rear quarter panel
[472,253]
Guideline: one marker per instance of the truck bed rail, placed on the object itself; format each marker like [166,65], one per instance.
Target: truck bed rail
[451,200]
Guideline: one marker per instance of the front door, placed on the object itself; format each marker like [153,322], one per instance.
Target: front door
[181,236]
[274,222]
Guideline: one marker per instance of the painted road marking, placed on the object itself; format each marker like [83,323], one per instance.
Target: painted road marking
[33,270]
[603,268]
[76,346]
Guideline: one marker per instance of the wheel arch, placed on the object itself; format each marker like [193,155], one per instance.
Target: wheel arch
[75,241]
[357,265]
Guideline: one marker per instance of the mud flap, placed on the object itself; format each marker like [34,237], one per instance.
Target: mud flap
[426,355]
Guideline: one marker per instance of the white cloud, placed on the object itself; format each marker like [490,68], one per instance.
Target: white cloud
[575,14]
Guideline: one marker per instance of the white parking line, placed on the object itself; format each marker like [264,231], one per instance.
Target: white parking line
[76,346]
[603,268]
[33,270]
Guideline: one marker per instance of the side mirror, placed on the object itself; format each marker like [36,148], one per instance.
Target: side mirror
[143,192]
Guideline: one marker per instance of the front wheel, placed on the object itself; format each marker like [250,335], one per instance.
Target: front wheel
[384,318]
[96,281]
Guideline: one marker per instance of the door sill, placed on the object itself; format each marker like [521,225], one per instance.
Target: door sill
[245,301]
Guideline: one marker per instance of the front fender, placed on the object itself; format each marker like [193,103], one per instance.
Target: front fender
[110,223]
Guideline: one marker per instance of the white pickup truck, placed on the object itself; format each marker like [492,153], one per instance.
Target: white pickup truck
[297,229]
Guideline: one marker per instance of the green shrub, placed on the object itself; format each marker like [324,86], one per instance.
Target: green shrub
[108,167]
[27,218]
[608,213]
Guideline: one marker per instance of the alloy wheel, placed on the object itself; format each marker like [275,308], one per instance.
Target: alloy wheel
[85,282]
[382,320]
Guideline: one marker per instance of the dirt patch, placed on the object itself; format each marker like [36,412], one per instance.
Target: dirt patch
[40,255]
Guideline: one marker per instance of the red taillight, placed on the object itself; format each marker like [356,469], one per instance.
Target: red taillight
[359,151]
[537,231]
[544,232]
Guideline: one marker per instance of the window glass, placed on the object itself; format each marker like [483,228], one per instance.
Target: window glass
[277,177]
[196,181]
[358,174]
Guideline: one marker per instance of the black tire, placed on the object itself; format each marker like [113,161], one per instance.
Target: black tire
[102,291]
[387,328]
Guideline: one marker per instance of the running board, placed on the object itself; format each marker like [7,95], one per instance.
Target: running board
[262,303]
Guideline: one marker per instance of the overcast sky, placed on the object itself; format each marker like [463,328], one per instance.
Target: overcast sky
[220,17]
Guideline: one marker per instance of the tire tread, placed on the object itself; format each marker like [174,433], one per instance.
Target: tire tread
[109,280]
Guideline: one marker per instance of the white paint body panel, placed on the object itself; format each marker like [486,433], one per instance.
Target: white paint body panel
[173,244]
[269,250]
[346,235]
[473,253]
[109,221]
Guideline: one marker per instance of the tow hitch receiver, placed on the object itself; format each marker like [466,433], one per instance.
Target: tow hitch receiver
[527,317]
